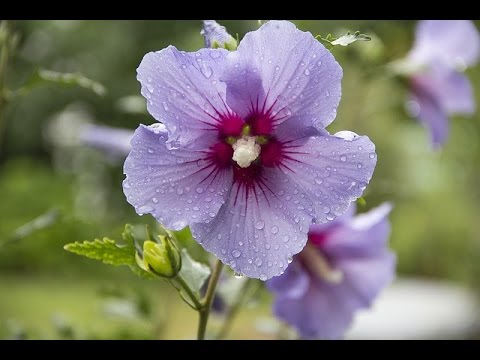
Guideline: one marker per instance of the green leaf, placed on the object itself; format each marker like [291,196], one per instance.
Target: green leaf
[105,250]
[42,76]
[112,253]
[343,40]
[194,273]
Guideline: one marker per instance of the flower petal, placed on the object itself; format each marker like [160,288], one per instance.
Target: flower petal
[178,187]
[326,310]
[258,230]
[425,105]
[454,42]
[183,90]
[332,170]
[363,235]
[292,284]
[215,34]
[281,68]
[114,141]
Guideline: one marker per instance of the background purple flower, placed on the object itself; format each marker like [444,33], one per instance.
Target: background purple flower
[441,50]
[244,158]
[216,35]
[341,270]
[115,142]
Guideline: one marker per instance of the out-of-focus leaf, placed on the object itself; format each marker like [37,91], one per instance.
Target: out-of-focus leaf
[43,221]
[194,273]
[42,77]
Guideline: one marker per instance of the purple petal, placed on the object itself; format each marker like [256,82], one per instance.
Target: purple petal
[293,283]
[114,141]
[321,230]
[332,170]
[363,235]
[327,310]
[259,229]
[437,94]
[175,186]
[284,70]
[214,33]
[183,90]
[358,248]
[454,42]
[324,312]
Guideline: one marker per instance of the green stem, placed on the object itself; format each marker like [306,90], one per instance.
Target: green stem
[234,309]
[204,311]
[3,71]
[189,292]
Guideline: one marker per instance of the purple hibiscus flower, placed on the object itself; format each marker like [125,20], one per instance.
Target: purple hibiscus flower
[216,35]
[115,142]
[441,50]
[244,158]
[345,264]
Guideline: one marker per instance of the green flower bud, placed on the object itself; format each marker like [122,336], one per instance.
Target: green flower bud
[162,258]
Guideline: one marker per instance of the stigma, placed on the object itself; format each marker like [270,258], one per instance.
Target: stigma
[245,151]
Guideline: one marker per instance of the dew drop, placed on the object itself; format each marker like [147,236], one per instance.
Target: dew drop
[343,158]
[155,200]
[199,190]
[274,230]
[372,155]
[207,71]
[289,260]
[263,277]
[318,181]
[260,225]
[258,262]
[307,72]
[238,275]
[330,217]
[359,165]
[165,106]
[236,253]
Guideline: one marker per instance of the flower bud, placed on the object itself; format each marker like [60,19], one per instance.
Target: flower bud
[162,258]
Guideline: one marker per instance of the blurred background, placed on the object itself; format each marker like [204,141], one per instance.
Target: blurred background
[54,191]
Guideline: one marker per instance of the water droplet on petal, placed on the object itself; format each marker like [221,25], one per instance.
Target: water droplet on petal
[207,71]
[199,190]
[155,200]
[372,155]
[274,229]
[359,165]
[165,106]
[236,253]
[343,158]
[238,275]
[258,262]
[260,225]
[263,277]
[307,72]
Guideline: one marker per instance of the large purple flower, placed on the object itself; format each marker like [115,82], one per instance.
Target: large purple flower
[244,158]
[442,48]
[344,266]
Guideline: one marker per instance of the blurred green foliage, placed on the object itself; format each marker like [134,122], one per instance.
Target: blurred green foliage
[436,194]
